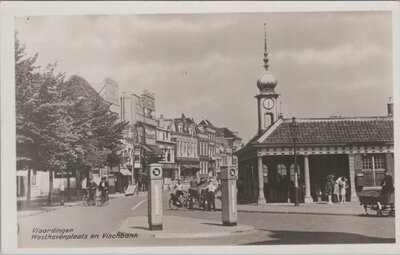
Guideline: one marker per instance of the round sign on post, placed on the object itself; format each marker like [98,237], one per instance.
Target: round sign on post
[156,171]
[232,172]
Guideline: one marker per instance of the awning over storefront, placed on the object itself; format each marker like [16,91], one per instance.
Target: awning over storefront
[169,166]
[187,167]
[150,149]
[125,171]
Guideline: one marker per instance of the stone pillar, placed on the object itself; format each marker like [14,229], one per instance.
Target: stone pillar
[247,180]
[307,197]
[179,172]
[261,198]
[352,176]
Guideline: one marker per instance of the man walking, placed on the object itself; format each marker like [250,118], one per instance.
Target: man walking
[211,188]
[103,188]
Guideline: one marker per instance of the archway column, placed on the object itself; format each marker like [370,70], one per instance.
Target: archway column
[352,175]
[307,197]
[261,198]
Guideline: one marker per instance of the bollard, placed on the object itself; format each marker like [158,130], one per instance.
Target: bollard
[229,201]
[154,196]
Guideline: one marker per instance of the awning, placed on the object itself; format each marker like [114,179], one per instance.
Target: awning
[150,149]
[169,166]
[125,171]
[186,167]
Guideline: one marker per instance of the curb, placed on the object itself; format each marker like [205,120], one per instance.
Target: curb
[162,234]
[191,235]
[58,207]
[310,213]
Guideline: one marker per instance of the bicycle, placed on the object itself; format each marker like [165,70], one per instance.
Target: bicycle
[176,202]
[85,197]
[102,200]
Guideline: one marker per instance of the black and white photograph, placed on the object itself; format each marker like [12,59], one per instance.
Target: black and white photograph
[266,129]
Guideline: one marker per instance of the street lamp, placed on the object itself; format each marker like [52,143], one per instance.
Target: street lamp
[294,128]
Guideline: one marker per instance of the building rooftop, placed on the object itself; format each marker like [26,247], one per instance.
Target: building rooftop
[225,132]
[331,130]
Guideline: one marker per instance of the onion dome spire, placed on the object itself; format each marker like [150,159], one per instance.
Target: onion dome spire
[265,48]
[267,82]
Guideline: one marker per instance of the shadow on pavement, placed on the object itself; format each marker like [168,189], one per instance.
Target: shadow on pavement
[304,237]
[40,204]
[213,224]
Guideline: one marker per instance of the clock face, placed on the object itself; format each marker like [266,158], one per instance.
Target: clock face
[268,103]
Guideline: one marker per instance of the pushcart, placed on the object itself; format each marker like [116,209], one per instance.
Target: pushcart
[372,200]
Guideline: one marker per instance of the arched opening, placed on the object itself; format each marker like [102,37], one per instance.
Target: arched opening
[265,173]
[268,119]
[292,172]
[281,170]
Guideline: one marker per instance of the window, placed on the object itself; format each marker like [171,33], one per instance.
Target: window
[265,173]
[281,168]
[292,172]
[373,167]
[168,155]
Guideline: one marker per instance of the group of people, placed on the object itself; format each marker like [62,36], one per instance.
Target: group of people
[93,187]
[209,191]
[336,189]
[282,189]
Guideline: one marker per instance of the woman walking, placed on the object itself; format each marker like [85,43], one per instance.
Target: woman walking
[342,181]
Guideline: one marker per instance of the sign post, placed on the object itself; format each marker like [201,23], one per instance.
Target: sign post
[154,196]
[229,201]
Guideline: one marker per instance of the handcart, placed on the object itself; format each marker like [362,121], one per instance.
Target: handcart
[372,200]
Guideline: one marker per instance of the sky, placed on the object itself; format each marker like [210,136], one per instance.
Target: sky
[207,65]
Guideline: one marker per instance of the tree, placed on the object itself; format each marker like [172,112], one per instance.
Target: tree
[26,79]
[61,125]
[43,127]
[98,130]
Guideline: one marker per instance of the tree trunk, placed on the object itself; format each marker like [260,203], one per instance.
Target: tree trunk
[68,187]
[28,193]
[78,183]
[50,186]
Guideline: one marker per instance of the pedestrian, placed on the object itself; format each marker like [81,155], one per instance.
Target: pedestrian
[92,192]
[387,188]
[193,183]
[342,181]
[336,191]
[178,189]
[211,189]
[329,187]
[103,188]
[387,184]
[62,188]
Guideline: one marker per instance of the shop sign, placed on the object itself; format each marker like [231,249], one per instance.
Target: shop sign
[66,174]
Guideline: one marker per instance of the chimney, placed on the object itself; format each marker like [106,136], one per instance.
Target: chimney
[390,107]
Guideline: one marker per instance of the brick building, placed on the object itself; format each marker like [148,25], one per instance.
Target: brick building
[184,135]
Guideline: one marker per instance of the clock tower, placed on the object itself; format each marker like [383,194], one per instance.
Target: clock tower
[267,98]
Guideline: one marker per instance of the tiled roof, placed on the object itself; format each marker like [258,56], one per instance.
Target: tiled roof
[335,130]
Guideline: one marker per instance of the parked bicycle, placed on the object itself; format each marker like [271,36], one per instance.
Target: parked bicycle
[176,202]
